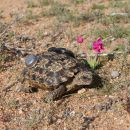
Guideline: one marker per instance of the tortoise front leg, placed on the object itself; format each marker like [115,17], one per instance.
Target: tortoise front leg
[55,94]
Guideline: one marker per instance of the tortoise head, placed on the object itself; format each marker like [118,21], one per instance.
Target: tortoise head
[83,78]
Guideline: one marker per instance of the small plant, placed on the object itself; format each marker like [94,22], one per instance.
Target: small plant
[30,16]
[40,34]
[98,6]
[77,1]
[118,31]
[127,9]
[31,4]
[93,63]
[57,9]
[86,17]
[61,12]
[118,3]
[115,31]
[1,13]
[118,18]
[13,104]
[32,121]
[120,48]
[98,47]
[91,16]
[80,39]
[45,2]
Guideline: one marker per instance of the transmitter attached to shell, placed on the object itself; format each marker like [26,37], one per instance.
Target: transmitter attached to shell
[31,60]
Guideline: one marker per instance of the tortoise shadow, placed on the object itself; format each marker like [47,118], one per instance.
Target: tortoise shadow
[97,82]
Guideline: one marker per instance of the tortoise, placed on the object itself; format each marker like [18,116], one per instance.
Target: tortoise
[56,70]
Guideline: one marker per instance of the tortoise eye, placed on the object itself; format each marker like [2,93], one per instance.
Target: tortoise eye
[31,60]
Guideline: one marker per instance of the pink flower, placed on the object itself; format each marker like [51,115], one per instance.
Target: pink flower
[98,45]
[80,39]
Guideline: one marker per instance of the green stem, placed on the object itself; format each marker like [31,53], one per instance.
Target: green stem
[96,57]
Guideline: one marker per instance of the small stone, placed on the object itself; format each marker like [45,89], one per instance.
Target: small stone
[59,121]
[115,74]
[18,87]
[20,111]
[5,129]
[81,91]
[72,113]
[119,14]
[46,33]
[82,55]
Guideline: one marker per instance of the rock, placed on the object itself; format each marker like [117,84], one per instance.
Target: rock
[81,91]
[67,112]
[50,119]
[119,14]
[72,113]
[115,74]
[59,121]
[87,122]
[46,34]
[18,87]
[105,106]
[82,55]
[5,129]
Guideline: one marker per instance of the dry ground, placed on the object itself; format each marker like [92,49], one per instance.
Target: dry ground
[49,23]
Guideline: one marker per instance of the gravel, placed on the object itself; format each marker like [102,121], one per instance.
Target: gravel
[115,74]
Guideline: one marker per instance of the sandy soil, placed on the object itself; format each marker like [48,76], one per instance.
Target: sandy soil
[104,108]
